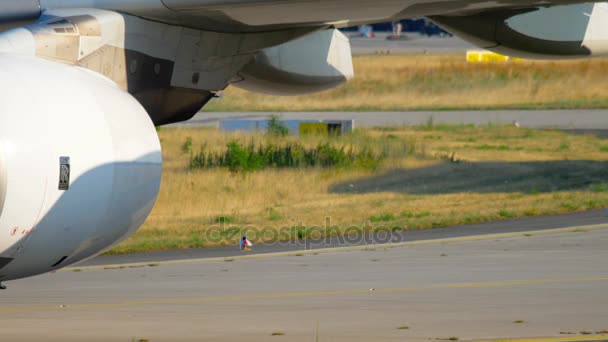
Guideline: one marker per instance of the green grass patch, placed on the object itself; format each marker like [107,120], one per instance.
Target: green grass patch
[274,215]
[507,214]
[570,206]
[383,218]
[486,147]
[187,145]
[472,218]
[602,187]
[277,127]
[224,219]
[241,157]
[564,146]
[423,214]
[407,214]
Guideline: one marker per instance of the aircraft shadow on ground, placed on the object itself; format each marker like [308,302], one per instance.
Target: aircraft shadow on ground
[483,177]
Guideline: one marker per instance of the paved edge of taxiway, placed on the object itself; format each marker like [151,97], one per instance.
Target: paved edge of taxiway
[341,249]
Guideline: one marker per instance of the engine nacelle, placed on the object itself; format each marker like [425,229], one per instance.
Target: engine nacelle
[313,63]
[567,31]
[80,165]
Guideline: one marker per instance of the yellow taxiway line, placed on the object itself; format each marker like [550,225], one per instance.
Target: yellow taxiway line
[339,249]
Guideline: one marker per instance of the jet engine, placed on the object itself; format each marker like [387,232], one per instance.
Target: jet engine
[567,31]
[80,165]
[313,63]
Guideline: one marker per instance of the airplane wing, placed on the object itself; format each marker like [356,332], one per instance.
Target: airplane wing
[265,15]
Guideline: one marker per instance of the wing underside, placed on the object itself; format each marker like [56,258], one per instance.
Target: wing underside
[265,15]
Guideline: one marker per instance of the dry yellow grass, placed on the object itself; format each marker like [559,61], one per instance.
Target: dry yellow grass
[495,173]
[444,82]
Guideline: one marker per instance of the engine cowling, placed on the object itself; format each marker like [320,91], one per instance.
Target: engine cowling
[567,31]
[80,165]
[313,63]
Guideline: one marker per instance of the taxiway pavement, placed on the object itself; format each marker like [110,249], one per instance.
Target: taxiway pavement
[586,120]
[469,289]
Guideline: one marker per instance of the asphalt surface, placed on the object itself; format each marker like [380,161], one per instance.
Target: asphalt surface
[467,290]
[592,121]
[508,226]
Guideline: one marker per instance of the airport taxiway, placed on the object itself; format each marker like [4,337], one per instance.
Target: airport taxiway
[487,230]
[594,119]
[470,289]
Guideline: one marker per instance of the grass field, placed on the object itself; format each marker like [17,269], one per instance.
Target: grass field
[431,176]
[421,82]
